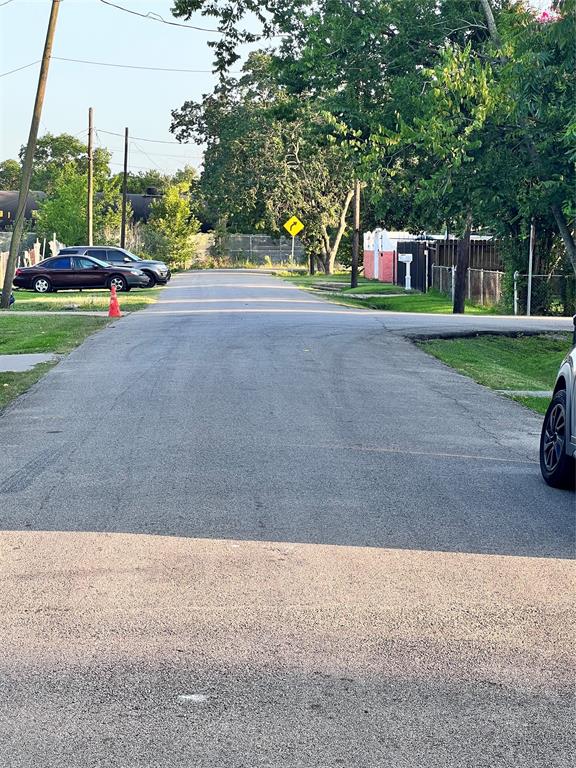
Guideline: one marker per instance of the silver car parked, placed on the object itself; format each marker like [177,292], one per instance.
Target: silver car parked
[558,439]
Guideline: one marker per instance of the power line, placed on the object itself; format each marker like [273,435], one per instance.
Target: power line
[11,72]
[156,17]
[158,154]
[139,138]
[145,155]
[117,66]
[134,66]
[6,3]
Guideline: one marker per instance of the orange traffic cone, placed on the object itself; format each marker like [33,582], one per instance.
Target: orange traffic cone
[114,310]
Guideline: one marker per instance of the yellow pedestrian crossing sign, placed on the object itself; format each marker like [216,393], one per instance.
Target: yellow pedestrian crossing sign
[294,225]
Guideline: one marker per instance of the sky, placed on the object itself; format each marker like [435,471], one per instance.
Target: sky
[137,99]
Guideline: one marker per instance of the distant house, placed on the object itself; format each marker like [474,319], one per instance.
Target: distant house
[9,202]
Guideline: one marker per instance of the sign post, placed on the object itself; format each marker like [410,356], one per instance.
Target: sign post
[293,226]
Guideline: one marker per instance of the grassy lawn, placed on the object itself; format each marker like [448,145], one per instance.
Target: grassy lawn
[27,334]
[431,302]
[310,281]
[86,300]
[374,287]
[499,362]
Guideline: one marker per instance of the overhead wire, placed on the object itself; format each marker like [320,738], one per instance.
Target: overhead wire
[134,66]
[139,138]
[18,69]
[156,17]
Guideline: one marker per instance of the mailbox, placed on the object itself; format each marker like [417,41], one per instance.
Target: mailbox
[406,258]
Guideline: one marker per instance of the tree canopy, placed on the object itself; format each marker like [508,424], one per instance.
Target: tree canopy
[449,110]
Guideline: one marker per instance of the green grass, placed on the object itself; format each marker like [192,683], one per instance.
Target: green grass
[86,300]
[309,281]
[27,334]
[538,404]
[14,384]
[430,303]
[500,362]
[375,287]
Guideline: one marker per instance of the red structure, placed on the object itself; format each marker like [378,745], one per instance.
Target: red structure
[379,256]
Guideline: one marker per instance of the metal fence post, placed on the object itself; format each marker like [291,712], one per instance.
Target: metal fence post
[469,289]
[482,287]
[516,276]
[453,283]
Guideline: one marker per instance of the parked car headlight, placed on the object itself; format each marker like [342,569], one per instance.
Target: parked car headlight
[136,272]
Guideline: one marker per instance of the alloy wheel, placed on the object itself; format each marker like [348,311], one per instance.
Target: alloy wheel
[42,286]
[554,437]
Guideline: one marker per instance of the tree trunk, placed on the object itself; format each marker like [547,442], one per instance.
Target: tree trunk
[462,263]
[490,23]
[565,233]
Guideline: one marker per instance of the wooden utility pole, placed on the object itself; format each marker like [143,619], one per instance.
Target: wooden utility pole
[28,159]
[90,208]
[356,235]
[124,191]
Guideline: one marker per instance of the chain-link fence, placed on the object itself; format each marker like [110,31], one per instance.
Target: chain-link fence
[483,286]
[259,249]
[547,295]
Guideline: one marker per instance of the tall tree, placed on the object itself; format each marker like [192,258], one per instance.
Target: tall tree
[10,174]
[53,152]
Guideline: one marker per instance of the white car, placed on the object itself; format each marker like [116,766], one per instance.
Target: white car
[558,439]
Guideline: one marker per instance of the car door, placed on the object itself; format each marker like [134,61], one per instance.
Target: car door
[60,272]
[89,273]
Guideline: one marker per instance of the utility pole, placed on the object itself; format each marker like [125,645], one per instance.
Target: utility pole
[356,236]
[124,191]
[90,208]
[530,267]
[28,159]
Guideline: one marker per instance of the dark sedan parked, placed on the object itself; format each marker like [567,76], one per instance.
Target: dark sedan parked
[157,271]
[66,272]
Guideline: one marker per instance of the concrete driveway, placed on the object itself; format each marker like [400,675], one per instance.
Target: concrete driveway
[246,527]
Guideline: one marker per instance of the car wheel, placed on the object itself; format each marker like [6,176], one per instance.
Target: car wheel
[556,466]
[42,285]
[118,282]
[151,280]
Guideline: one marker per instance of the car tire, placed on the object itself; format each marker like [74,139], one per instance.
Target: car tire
[151,279]
[120,282]
[557,468]
[42,285]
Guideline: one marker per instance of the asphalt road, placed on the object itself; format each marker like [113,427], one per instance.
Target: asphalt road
[249,528]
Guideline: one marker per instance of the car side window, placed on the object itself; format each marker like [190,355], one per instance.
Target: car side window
[81,263]
[116,256]
[59,263]
[99,253]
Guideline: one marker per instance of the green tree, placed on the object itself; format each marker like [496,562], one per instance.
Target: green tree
[64,210]
[53,152]
[268,156]
[171,230]
[10,175]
